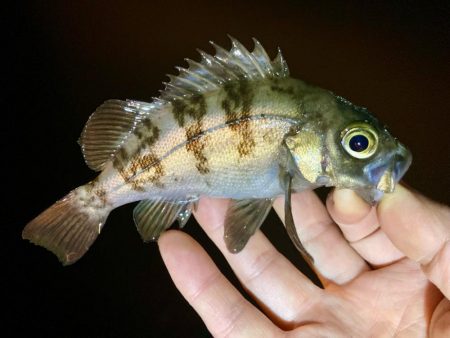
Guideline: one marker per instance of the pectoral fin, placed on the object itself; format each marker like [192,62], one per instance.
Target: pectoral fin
[243,218]
[152,217]
[289,220]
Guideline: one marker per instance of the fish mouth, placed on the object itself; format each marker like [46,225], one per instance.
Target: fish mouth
[395,170]
[384,176]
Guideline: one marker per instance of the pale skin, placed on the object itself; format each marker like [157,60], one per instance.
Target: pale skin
[385,270]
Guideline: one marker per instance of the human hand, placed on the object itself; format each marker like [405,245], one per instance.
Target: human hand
[385,270]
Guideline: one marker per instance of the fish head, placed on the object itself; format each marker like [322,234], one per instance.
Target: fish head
[364,156]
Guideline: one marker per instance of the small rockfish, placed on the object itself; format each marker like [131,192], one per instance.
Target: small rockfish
[234,125]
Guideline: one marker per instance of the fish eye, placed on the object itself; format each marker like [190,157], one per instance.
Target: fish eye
[359,140]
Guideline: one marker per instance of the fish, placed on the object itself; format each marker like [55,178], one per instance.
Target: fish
[232,125]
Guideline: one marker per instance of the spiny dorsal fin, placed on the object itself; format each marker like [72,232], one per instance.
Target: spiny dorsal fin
[213,71]
[108,128]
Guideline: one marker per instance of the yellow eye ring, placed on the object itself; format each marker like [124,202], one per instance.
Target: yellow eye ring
[359,140]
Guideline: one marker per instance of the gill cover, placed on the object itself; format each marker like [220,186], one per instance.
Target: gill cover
[305,148]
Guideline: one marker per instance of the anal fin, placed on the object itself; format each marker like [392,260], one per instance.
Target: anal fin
[242,220]
[152,217]
[184,214]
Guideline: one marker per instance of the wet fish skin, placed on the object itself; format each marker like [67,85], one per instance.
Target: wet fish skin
[234,125]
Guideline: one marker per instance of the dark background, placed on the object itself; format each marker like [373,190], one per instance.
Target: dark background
[64,58]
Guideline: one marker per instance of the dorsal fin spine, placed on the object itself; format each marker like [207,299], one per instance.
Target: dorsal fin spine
[259,50]
[192,84]
[240,47]
[281,63]
[214,70]
[226,58]
[213,62]
[196,76]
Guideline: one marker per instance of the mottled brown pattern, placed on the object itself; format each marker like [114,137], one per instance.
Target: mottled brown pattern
[247,142]
[101,194]
[137,173]
[95,196]
[237,106]
[147,134]
[193,106]
[196,144]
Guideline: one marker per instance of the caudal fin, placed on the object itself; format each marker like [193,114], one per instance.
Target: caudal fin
[70,226]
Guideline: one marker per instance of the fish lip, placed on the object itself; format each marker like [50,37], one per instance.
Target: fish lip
[399,164]
[384,174]
[403,160]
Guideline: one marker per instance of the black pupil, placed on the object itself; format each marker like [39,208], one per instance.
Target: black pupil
[358,143]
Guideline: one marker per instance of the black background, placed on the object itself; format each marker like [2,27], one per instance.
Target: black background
[64,58]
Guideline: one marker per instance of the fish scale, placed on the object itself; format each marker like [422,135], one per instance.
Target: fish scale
[234,125]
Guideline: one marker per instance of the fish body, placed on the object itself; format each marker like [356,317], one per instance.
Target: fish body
[223,153]
[234,125]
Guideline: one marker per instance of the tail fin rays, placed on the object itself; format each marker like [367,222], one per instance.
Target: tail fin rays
[69,227]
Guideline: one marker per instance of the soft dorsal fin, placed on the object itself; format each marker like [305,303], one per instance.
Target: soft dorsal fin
[213,71]
[108,128]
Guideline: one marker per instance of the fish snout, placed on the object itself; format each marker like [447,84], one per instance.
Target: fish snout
[402,159]
[400,163]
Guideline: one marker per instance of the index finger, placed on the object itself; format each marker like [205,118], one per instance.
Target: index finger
[420,228]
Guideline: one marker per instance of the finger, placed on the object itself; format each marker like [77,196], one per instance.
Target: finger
[276,284]
[334,260]
[222,308]
[420,228]
[359,224]
[440,321]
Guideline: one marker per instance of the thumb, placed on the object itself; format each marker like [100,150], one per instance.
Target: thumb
[420,228]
